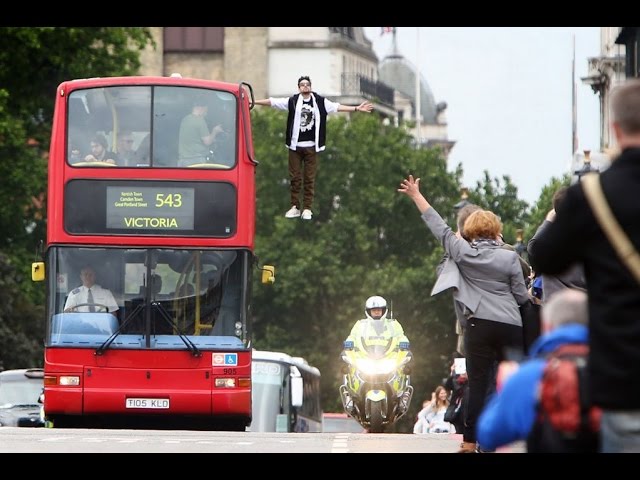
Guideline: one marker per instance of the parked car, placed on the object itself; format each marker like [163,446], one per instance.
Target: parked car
[340,422]
[20,397]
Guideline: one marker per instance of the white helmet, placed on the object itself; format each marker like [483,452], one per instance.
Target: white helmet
[375,302]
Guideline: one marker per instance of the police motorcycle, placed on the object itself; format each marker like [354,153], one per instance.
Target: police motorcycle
[377,390]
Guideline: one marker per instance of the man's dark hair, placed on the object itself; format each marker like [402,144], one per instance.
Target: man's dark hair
[558,197]
[100,140]
[304,77]
[463,214]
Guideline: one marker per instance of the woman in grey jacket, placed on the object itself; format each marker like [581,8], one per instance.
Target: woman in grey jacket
[487,280]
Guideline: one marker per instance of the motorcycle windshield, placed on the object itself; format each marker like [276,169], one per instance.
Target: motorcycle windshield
[377,348]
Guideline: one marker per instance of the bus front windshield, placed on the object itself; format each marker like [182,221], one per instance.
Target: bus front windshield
[148,298]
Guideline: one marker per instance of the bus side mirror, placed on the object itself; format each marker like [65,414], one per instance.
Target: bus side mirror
[37,271]
[296,391]
[268,274]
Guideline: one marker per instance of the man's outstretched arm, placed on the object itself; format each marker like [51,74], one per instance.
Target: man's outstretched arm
[365,107]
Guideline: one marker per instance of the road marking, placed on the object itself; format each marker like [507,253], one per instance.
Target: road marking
[340,443]
[53,439]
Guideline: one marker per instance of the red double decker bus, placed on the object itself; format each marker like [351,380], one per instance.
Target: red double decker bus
[150,254]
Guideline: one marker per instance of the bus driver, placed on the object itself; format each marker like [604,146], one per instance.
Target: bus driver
[90,297]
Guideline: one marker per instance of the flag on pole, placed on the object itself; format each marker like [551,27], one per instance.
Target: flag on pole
[387,30]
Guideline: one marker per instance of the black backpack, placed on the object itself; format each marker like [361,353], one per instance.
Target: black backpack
[566,422]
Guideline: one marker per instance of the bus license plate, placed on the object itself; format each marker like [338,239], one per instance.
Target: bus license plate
[156,403]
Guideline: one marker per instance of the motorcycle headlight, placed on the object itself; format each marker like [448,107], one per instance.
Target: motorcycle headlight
[375,367]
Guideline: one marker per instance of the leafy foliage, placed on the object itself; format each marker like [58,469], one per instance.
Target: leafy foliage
[21,322]
[544,203]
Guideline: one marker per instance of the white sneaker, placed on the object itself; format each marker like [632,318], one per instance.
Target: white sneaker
[306,214]
[293,212]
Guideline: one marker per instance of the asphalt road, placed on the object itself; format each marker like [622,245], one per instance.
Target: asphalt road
[52,440]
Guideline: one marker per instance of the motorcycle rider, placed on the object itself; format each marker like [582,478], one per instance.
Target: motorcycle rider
[376,327]
[370,338]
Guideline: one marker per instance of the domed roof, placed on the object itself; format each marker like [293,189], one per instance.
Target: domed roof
[397,72]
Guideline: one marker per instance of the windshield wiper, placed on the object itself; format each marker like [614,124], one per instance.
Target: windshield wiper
[107,343]
[195,351]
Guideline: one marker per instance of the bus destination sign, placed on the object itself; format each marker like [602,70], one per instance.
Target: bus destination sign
[150,208]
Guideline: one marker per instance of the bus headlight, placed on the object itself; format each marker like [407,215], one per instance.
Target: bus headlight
[225,383]
[69,380]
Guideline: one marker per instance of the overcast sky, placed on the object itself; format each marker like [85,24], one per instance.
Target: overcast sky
[508,91]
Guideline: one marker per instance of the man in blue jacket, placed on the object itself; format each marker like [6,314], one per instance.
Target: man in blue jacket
[510,415]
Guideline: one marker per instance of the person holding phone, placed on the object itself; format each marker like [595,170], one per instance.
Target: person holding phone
[458,384]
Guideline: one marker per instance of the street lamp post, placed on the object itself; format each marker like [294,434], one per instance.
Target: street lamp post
[520,247]
[587,167]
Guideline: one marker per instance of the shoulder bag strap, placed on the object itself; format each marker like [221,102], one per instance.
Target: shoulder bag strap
[620,241]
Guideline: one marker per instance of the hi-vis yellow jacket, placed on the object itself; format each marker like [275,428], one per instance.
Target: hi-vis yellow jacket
[368,332]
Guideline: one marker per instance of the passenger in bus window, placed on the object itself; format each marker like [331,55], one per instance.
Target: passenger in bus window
[90,297]
[74,154]
[195,140]
[124,149]
[100,151]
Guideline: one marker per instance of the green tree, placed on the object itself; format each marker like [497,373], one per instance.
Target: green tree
[21,322]
[33,62]
[544,203]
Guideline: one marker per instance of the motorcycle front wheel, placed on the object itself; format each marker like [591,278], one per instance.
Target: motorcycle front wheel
[376,421]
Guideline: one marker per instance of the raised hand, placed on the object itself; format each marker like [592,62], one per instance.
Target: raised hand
[411,188]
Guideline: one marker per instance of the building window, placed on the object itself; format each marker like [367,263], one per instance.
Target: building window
[344,31]
[193,39]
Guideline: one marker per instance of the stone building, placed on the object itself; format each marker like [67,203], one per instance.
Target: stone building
[619,59]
